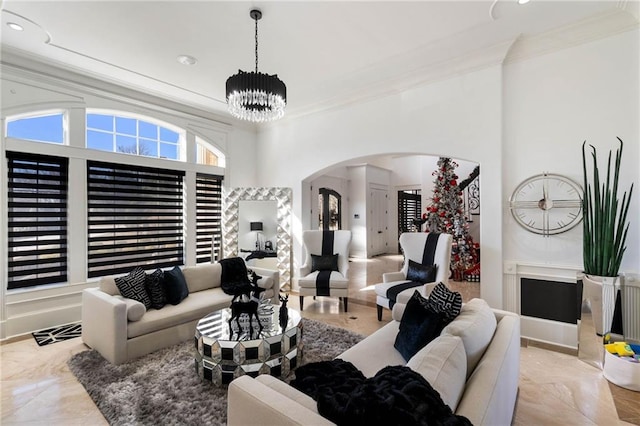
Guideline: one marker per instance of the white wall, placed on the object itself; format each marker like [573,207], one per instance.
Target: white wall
[515,121]
[552,104]
[357,210]
[459,117]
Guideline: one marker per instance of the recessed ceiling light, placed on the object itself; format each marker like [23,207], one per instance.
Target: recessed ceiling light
[523,1]
[15,26]
[187,60]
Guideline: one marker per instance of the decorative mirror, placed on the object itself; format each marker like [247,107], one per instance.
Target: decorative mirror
[237,215]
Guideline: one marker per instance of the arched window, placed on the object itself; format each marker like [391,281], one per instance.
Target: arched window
[40,127]
[330,209]
[208,154]
[133,135]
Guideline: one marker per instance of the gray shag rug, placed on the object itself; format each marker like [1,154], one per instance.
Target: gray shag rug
[163,387]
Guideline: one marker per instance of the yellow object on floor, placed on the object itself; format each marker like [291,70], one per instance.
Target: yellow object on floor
[619,348]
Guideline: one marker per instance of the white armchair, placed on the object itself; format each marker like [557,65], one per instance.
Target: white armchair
[330,279]
[423,248]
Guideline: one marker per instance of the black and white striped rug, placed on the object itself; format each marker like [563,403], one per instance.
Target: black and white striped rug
[57,334]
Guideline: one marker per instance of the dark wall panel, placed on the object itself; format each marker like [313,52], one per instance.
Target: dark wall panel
[556,301]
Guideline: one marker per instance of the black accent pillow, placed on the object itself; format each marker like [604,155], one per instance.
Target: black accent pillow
[326,262]
[154,284]
[421,273]
[132,286]
[175,286]
[446,301]
[419,326]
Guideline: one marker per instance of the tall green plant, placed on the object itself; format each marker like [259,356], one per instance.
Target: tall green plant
[605,217]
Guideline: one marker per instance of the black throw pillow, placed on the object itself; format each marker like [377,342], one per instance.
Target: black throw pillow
[132,286]
[421,273]
[327,262]
[419,325]
[154,284]
[446,301]
[175,286]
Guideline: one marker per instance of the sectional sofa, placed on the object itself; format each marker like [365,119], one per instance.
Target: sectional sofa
[473,364]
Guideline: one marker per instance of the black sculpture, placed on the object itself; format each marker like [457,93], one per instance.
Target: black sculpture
[284,312]
[246,301]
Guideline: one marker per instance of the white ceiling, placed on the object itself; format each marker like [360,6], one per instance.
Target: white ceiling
[326,52]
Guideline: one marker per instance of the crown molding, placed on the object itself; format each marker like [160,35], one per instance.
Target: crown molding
[22,66]
[612,22]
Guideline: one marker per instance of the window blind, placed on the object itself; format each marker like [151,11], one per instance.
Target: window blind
[37,219]
[135,218]
[208,217]
[409,208]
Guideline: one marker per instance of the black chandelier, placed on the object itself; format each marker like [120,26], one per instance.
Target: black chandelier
[256,96]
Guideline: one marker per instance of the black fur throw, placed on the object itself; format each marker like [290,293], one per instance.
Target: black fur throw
[396,395]
[339,375]
[234,278]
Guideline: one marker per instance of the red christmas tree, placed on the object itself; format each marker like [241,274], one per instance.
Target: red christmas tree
[446,215]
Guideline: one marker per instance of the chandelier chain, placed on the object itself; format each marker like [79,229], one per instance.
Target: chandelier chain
[256,45]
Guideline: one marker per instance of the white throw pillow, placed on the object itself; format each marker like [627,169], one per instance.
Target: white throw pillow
[443,363]
[135,309]
[475,325]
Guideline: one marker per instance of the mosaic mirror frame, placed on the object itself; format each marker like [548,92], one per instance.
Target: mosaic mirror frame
[284,241]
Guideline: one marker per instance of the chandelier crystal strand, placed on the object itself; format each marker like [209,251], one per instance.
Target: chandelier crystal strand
[255,96]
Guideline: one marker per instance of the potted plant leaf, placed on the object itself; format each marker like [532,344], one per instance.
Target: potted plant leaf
[605,229]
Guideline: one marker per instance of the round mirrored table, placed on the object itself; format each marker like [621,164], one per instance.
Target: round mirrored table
[225,350]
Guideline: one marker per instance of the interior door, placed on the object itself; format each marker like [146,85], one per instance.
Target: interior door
[378,215]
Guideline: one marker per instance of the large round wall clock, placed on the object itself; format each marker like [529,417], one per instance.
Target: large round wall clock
[547,204]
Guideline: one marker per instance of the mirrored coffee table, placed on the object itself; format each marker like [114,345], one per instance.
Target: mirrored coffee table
[222,354]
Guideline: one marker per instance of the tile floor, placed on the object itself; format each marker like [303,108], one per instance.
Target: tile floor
[555,388]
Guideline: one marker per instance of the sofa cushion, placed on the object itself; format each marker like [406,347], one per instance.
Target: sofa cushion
[475,326]
[421,273]
[131,286]
[379,343]
[193,308]
[419,325]
[443,363]
[135,309]
[175,286]
[203,276]
[154,283]
[108,285]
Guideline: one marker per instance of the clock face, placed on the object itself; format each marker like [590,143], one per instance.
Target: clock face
[547,204]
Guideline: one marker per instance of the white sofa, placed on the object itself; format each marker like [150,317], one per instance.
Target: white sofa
[474,365]
[105,314]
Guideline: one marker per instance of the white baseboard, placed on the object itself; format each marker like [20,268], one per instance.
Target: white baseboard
[34,321]
[547,331]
